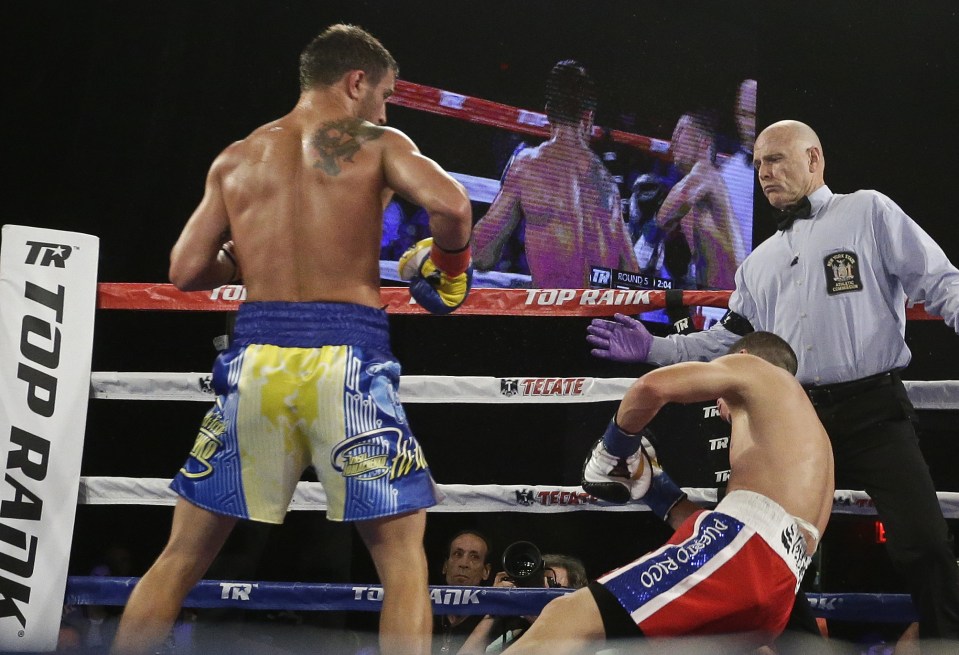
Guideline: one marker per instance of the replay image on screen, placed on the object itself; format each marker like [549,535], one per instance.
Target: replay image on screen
[617,205]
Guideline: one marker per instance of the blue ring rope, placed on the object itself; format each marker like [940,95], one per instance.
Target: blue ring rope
[87,590]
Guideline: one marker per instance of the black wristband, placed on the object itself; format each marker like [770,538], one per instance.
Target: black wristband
[736,324]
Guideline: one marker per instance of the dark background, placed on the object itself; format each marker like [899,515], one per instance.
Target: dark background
[114,111]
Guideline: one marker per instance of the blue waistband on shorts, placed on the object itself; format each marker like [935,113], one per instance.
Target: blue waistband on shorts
[311,325]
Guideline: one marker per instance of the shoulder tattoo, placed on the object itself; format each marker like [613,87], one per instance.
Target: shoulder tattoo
[337,141]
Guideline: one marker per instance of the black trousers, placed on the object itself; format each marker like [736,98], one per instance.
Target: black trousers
[876,449]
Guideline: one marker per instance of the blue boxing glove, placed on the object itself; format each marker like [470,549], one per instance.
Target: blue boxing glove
[663,493]
[439,280]
[624,339]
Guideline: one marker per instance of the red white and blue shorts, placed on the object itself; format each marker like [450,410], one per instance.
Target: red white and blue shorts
[307,384]
[730,570]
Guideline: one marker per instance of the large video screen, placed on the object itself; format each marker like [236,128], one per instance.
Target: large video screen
[585,199]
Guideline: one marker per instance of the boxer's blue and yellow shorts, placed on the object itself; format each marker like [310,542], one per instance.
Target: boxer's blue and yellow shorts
[307,384]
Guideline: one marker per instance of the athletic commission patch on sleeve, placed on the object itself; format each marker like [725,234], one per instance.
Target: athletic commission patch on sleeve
[842,272]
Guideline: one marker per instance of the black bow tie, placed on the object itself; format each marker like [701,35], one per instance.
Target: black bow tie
[793,213]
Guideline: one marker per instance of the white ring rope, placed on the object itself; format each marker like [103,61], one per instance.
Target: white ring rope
[480,189]
[310,496]
[930,395]
[531,499]
[936,395]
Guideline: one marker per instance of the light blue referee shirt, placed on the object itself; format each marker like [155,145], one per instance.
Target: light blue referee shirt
[835,287]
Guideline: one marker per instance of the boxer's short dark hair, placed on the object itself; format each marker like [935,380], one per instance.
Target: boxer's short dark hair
[340,49]
[770,347]
[569,92]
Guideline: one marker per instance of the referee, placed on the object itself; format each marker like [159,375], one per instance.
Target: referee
[833,282]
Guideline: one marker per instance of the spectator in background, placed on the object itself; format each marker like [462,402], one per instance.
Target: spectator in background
[90,629]
[569,201]
[494,634]
[467,564]
[403,227]
[70,636]
[564,571]
[393,218]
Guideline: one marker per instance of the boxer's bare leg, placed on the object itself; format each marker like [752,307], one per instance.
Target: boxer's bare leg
[568,624]
[195,540]
[396,546]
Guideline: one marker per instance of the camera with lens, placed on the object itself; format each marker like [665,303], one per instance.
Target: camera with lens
[524,565]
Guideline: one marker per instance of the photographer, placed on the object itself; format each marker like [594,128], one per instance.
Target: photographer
[523,567]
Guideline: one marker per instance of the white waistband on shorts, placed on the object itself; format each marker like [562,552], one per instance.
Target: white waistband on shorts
[775,525]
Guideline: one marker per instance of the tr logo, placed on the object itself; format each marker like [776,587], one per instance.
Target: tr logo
[53,254]
[236,590]
[711,411]
[600,276]
[509,387]
[719,443]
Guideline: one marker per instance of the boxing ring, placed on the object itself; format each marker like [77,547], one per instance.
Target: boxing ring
[254,595]
[506,300]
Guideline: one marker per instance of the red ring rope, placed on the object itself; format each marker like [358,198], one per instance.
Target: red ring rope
[481,302]
[486,112]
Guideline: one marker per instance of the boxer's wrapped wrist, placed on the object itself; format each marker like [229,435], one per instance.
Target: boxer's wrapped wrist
[620,443]
[451,262]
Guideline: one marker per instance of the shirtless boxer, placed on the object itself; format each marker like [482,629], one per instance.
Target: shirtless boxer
[309,378]
[699,205]
[564,192]
[735,569]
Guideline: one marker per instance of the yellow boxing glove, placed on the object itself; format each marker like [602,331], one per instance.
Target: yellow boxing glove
[439,280]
